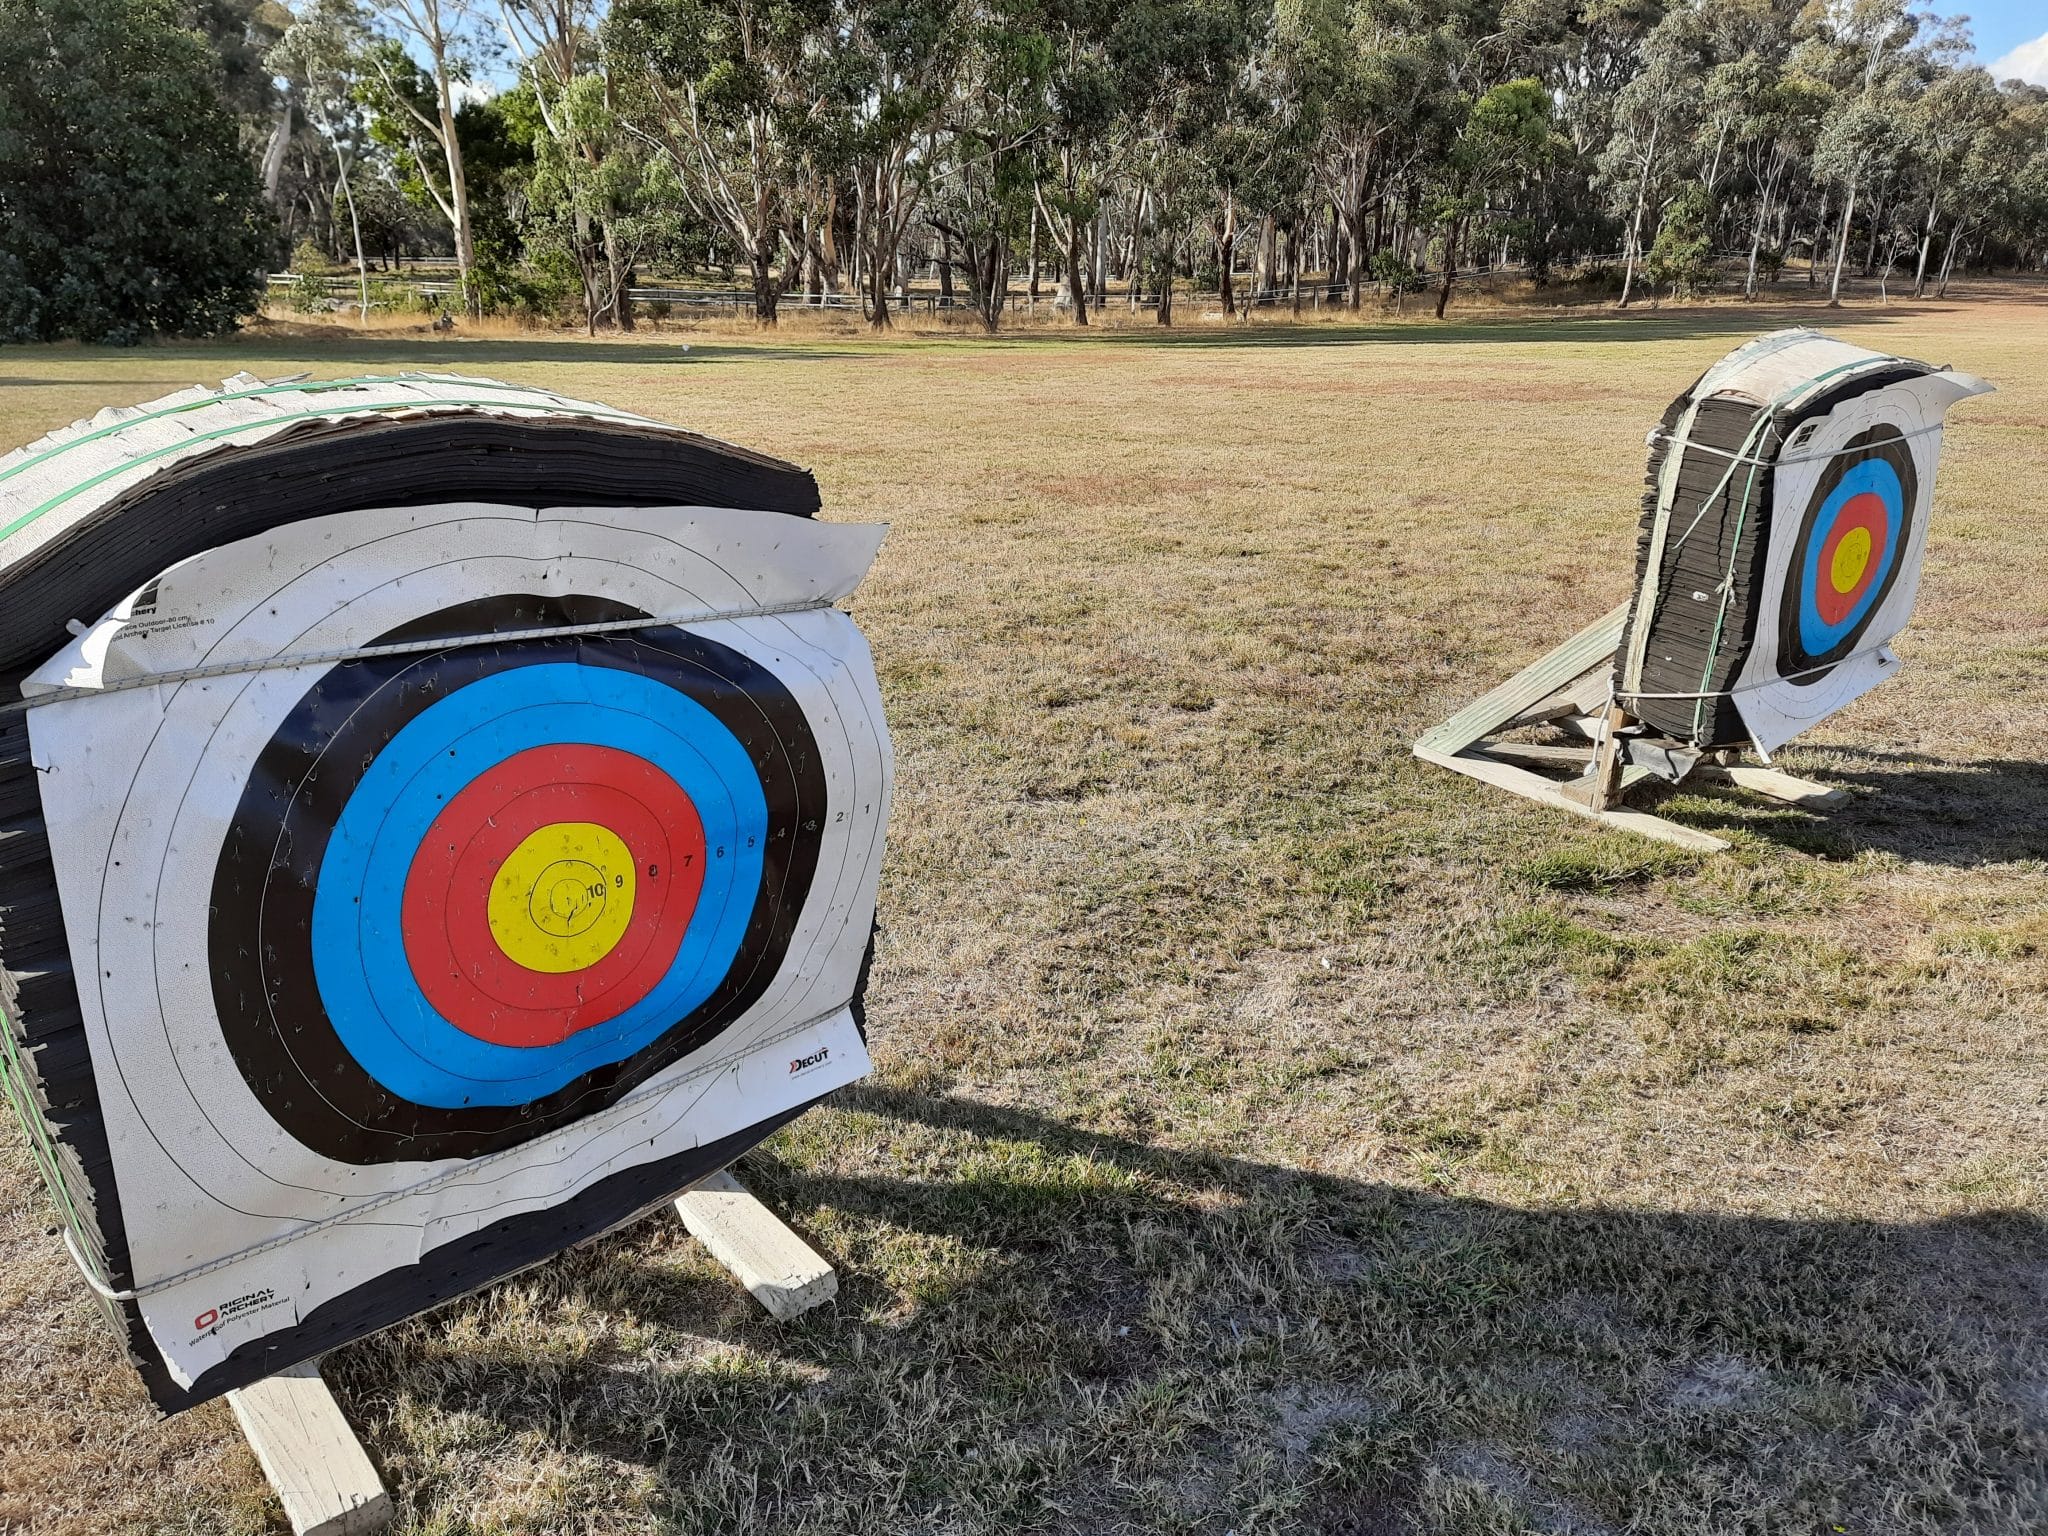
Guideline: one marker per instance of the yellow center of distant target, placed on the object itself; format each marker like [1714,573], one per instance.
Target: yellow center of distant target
[1852,558]
[562,899]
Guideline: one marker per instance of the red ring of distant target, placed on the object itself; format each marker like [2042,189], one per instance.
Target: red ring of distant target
[464,974]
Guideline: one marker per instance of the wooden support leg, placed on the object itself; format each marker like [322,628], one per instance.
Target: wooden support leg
[311,1456]
[784,1273]
[1602,781]
[1771,783]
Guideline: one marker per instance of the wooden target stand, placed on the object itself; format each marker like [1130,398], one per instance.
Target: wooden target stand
[318,1467]
[1570,689]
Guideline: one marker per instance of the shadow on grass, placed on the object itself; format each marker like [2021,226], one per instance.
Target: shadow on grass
[1927,809]
[1050,1329]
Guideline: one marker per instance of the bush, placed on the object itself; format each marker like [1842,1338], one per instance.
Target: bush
[1682,256]
[1394,273]
[307,294]
[127,207]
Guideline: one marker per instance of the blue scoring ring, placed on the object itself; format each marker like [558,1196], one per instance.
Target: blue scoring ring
[359,959]
[1870,477]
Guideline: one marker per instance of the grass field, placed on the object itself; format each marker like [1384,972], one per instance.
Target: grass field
[1273,1133]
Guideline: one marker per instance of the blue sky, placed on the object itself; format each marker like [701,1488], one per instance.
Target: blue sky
[2012,33]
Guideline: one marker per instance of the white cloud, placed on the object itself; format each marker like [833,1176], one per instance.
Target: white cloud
[2027,62]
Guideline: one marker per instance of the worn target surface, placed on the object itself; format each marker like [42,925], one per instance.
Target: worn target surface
[489,887]
[441,882]
[1849,550]
[1783,529]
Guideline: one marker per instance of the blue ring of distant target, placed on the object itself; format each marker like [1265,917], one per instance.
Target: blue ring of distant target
[1872,477]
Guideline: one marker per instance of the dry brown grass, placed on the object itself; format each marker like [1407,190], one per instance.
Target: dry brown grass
[1274,1133]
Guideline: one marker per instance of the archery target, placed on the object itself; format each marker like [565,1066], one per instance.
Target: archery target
[490,883]
[441,882]
[1848,551]
[1782,535]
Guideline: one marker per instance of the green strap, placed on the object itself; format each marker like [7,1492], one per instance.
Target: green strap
[303,387]
[183,444]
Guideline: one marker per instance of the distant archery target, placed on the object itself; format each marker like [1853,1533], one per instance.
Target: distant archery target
[1848,552]
[472,894]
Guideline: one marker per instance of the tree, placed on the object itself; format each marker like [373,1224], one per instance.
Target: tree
[1505,136]
[127,208]
[440,29]
[1652,130]
[725,89]
[896,68]
[1682,256]
[319,54]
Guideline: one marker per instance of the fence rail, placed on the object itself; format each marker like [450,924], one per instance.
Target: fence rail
[343,289]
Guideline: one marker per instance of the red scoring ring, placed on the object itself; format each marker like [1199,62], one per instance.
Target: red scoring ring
[468,925]
[1864,510]
[444,912]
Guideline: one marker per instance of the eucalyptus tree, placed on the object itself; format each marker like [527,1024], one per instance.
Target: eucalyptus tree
[727,91]
[588,168]
[445,32]
[899,58]
[1943,126]
[320,55]
[993,133]
[1504,137]
[1376,73]
[1652,131]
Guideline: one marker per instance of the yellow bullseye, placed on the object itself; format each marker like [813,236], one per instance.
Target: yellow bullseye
[563,898]
[1852,559]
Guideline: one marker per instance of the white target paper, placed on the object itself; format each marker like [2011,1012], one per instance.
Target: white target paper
[252,1195]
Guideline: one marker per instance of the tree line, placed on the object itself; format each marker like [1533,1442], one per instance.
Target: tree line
[1122,150]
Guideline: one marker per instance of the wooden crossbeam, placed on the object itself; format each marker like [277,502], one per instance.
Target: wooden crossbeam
[1533,786]
[323,1476]
[784,1273]
[1771,783]
[1556,671]
[321,1473]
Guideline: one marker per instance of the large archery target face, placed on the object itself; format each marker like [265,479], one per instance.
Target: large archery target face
[1849,551]
[471,894]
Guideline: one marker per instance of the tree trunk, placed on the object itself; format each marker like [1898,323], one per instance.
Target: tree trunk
[1756,241]
[1926,243]
[1294,267]
[1813,255]
[760,267]
[1948,259]
[878,278]
[1443,294]
[458,186]
[1077,274]
[616,266]
[1099,261]
[1226,248]
[1634,248]
[355,227]
[1842,248]
[1031,300]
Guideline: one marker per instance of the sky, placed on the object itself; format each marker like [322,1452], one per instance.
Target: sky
[2012,35]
